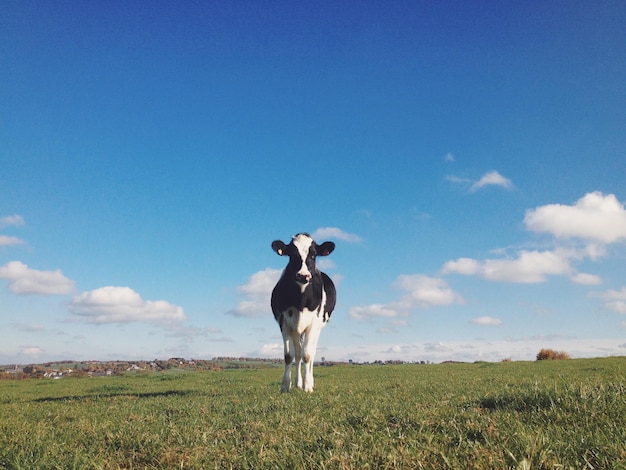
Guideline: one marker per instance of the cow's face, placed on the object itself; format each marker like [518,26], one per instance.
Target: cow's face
[302,252]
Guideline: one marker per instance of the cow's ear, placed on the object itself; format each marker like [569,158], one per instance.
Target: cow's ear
[279,247]
[325,248]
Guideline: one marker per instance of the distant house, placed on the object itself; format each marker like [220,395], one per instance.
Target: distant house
[54,374]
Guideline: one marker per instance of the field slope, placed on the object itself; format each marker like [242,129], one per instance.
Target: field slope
[540,415]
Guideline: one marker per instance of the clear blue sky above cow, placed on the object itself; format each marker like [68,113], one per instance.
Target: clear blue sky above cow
[468,160]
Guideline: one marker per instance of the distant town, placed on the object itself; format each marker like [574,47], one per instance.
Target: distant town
[63,369]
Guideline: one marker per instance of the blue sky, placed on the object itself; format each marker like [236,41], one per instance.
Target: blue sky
[468,160]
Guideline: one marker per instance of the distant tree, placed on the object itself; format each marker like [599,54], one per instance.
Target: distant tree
[550,354]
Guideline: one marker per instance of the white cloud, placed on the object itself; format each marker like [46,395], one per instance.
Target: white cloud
[419,292]
[618,306]
[372,311]
[424,291]
[31,351]
[29,328]
[15,220]
[487,321]
[586,279]
[457,179]
[615,294]
[112,304]
[521,348]
[466,266]
[269,350]
[257,292]
[449,157]
[397,349]
[261,283]
[613,299]
[595,217]
[492,178]
[437,347]
[529,267]
[8,241]
[337,278]
[24,281]
[325,263]
[324,233]
[594,251]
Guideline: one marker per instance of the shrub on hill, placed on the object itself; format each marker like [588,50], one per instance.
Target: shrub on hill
[551,354]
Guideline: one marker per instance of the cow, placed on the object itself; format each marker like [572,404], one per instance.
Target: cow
[302,302]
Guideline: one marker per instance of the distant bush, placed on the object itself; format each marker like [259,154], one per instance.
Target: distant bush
[551,354]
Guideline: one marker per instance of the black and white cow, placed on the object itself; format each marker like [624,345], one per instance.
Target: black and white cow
[302,302]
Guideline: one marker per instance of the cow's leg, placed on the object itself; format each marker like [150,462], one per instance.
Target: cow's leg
[297,341]
[289,356]
[310,347]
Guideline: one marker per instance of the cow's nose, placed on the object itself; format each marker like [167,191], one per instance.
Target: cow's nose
[303,278]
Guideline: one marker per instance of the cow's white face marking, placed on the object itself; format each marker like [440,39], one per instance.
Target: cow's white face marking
[303,244]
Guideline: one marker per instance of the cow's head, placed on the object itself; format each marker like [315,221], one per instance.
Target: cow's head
[302,252]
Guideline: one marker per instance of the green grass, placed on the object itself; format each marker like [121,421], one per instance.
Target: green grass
[539,415]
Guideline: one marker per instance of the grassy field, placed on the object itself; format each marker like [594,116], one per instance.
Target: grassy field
[522,415]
